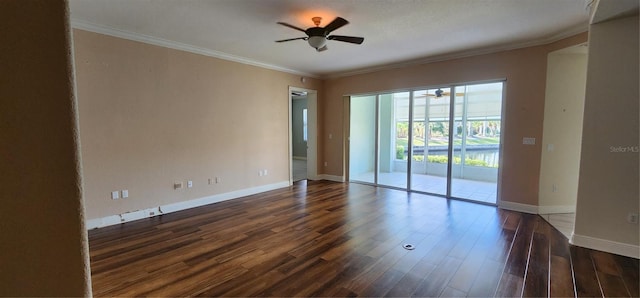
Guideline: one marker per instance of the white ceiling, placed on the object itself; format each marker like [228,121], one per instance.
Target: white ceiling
[395,31]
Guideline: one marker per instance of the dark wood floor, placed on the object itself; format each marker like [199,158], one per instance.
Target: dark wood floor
[339,239]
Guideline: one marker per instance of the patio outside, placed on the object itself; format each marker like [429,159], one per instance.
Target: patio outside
[424,117]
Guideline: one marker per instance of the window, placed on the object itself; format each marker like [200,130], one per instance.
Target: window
[304,124]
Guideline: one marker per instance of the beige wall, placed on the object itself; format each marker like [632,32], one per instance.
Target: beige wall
[43,243]
[525,72]
[608,186]
[152,116]
[562,132]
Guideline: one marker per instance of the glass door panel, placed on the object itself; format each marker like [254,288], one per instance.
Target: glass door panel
[393,139]
[430,128]
[478,115]
[362,136]
[403,140]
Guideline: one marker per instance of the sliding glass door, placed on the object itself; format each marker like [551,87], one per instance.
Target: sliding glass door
[362,145]
[394,109]
[476,150]
[431,140]
[378,146]
[443,141]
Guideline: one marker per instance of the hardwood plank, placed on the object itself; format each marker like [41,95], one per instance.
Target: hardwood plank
[474,263]
[560,278]
[410,282]
[510,286]
[382,285]
[536,282]
[630,273]
[451,292]
[586,281]
[343,240]
[437,281]
[512,280]
[609,275]
[370,275]
[517,262]
[486,284]
[561,283]
[341,270]
[605,263]
[612,285]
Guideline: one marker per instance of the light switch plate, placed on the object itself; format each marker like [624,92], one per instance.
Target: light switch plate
[125,193]
[115,195]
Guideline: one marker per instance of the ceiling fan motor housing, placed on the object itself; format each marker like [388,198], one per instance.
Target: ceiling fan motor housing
[317,37]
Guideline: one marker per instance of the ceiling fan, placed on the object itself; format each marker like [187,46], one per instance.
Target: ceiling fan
[439,93]
[317,36]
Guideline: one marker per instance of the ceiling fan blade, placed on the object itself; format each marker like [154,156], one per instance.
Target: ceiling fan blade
[290,39]
[351,39]
[449,93]
[335,24]
[322,49]
[292,26]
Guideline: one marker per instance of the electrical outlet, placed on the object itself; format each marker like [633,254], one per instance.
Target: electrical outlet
[189,184]
[632,218]
[115,195]
[265,172]
[325,163]
[125,193]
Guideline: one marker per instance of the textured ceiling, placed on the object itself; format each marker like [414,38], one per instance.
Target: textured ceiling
[395,31]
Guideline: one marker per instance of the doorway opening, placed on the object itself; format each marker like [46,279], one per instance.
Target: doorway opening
[562,136]
[302,134]
[443,141]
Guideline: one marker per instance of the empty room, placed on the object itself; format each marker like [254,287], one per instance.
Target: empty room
[324,148]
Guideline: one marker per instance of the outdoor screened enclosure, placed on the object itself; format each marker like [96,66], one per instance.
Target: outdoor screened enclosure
[443,141]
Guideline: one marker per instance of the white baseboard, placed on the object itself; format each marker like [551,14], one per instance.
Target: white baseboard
[525,208]
[164,209]
[556,209]
[103,222]
[624,249]
[331,178]
[300,157]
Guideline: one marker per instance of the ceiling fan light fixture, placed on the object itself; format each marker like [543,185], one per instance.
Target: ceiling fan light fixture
[317,42]
[317,37]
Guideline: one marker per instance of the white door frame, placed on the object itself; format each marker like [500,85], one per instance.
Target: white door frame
[312,133]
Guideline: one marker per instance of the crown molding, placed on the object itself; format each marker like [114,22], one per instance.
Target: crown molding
[106,30]
[464,54]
